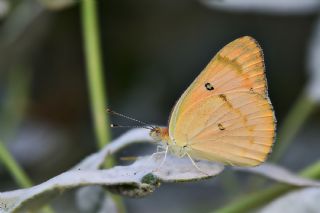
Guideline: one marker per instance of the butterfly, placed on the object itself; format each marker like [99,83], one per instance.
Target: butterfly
[225,115]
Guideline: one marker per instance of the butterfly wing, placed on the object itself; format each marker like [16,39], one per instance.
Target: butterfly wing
[225,115]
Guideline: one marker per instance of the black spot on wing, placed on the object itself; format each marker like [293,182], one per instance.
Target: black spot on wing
[209,86]
[221,127]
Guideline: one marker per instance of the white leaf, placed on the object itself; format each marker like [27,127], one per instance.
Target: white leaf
[89,198]
[95,160]
[313,62]
[108,205]
[279,7]
[280,174]
[136,180]
[304,200]
[139,179]
[4,8]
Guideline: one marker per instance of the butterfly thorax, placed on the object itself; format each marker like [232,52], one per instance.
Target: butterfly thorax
[177,150]
[161,134]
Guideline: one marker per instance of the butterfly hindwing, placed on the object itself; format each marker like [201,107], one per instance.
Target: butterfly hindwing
[225,114]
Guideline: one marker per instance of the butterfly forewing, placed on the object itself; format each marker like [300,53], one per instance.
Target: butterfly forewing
[225,115]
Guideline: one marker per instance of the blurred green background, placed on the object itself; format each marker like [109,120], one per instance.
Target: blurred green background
[152,50]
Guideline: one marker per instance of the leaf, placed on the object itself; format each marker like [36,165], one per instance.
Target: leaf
[108,205]
[136,180]
[280,7]
[132,136]
[313,63]
[4,8]
[280,174]
[94,199]
[89,198]
[304,200]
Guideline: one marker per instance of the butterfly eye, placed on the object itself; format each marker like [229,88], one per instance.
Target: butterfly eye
[209,86]
[156,134]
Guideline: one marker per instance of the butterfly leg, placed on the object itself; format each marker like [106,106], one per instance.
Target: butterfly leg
[159,147]
[195,165]
[156,153]
[231,164]
[164,159]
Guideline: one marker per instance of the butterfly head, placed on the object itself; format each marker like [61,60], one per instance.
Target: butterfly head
[159,134]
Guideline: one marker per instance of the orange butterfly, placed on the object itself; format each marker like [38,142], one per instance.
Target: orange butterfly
[225,115]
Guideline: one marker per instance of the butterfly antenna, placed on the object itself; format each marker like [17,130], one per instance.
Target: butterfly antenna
[127,117]
[120,126]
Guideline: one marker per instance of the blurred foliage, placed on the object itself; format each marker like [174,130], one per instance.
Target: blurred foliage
[151,51]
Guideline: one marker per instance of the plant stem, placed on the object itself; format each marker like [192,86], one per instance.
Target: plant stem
[13,167]
[17,172]
[95,71]
[301,110]
[257,199]
[96,83]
